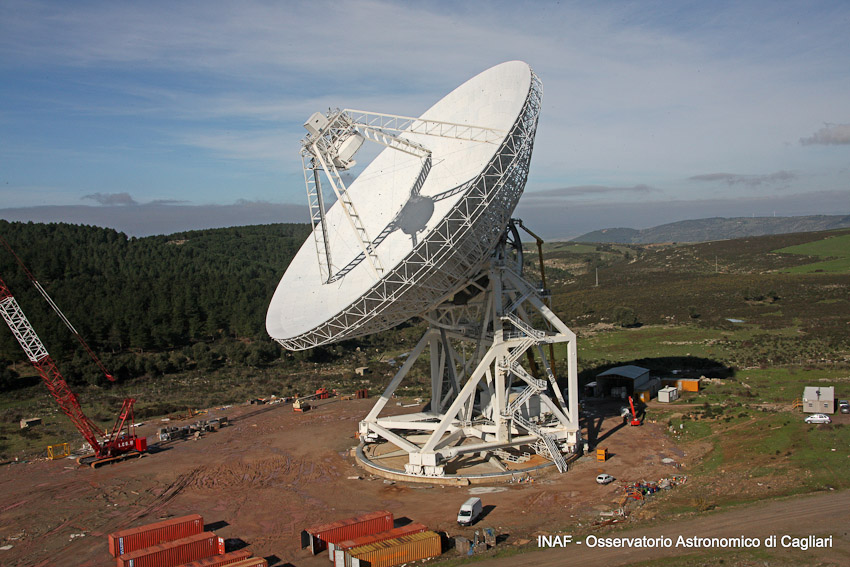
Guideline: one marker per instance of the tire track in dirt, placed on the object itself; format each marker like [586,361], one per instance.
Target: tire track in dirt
[171,492]
[275,471]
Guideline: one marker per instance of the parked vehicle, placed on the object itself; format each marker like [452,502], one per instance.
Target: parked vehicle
[844,409]
[604,479]
[469,512]
[818,418]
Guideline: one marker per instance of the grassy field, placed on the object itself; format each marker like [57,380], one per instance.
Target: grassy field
[753,443]
[834,250]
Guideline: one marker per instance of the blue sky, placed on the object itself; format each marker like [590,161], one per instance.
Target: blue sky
[158,116]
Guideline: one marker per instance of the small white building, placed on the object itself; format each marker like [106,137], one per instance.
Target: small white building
[668,394]
[819,399]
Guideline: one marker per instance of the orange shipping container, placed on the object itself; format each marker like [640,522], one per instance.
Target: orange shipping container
[129,540]
[690,385]
[174,553]
[253,562]
[336,549]
[392,552]
[318,537]
[220,560]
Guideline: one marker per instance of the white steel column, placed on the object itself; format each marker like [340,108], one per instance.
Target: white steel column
[480,416]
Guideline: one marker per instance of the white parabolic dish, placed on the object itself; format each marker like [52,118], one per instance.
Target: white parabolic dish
[429,243]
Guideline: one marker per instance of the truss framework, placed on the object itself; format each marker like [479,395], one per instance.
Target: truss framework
[472,409]
[447,257]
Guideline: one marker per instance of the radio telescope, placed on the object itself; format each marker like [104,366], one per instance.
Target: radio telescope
[425,231]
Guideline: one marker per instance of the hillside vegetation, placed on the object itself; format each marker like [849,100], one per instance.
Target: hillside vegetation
[180,319]
[770,286]
[718,228]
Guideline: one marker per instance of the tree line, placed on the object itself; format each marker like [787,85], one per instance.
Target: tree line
[171,295]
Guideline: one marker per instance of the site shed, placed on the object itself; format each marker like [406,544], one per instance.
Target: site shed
[819,399]
[623,381]
[682,384]
[318,537]
[668,394]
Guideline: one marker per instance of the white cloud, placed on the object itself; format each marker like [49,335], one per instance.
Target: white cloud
[830,134]
[634,93]
[587,191]
[112,198]
[749,180]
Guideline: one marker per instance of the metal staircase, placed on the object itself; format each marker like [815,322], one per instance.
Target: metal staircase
[527,329]
[551,445]
[535,386]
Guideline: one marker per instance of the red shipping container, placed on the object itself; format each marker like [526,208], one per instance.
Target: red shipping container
[318,537]
[174,553]
[336,549]
[220,560]
[129,540]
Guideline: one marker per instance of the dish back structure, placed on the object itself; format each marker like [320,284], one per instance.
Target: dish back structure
[425,230]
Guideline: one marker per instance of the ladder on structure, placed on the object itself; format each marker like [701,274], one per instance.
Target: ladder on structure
[549,442]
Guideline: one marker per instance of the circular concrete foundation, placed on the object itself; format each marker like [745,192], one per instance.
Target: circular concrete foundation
[386,460]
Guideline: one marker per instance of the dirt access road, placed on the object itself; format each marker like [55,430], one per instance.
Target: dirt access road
[819,515]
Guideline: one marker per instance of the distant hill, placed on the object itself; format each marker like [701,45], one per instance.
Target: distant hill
[718,228]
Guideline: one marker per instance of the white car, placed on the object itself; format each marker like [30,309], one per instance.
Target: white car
[818,418]
[604,479]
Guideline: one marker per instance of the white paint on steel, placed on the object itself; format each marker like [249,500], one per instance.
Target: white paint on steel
[472,187]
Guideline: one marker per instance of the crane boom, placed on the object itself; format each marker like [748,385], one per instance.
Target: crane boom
[635,420]
[40,358]
[58,311]
[114,443]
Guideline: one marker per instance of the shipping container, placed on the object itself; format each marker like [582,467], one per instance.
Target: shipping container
[129,540]
[318,537]
[220,560]
[174,553]
[396,551]
[338,549]
[253,562]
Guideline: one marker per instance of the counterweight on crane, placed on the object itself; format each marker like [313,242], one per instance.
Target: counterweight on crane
[109,446]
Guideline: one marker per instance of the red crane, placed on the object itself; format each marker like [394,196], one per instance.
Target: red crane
[635,420]
[58,311]
[108,446]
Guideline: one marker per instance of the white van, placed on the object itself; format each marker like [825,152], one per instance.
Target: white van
[469,512]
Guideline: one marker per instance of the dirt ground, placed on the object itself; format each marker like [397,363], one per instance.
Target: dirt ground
[273,472]
[824,515]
